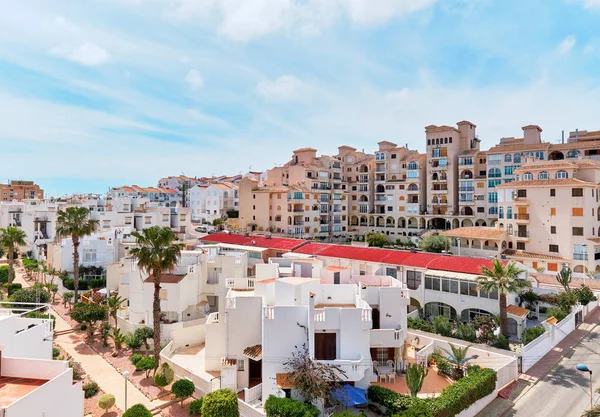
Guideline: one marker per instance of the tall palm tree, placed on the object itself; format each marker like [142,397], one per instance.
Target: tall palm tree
[74,222]
[114,303]
[504,279]
[156,252]
[592,412]
[10,239]
[458,357]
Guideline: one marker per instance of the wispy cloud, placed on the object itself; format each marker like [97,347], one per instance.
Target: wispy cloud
[194,79]
[566,45]
[87,53]
[286,87]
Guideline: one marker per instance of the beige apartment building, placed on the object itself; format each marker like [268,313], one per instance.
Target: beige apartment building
[19,190]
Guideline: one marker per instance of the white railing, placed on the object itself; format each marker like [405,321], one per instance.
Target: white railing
[253,394]
[240,283]
[197,322]
[354,369]
[269,312]
[246,410]
[387,337]
[319,314]
[213,318]
[424,353]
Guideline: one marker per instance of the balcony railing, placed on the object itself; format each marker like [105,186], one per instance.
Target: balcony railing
[521,216]
[240,283]
[387,337]
[522,233]
[466,189]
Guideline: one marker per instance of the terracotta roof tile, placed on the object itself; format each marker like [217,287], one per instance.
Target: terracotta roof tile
[228,362]
[517,311]
[476,232]
[547,279]
[551,320]
[167,279]
[544,183]
[253,352]
[254,240]
[517,253]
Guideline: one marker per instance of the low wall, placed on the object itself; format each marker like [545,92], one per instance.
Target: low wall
[478,406]
[247,410]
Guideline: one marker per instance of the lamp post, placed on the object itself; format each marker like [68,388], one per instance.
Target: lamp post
[583,368]
[126,375]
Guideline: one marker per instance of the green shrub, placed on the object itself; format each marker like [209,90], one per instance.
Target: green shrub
[501,342]
[135,358]
[11,288]
[419,324]
[145,364]
[97,283]
[444,366]
[442,326]
[69,284]
[343,414]
[138,410]
[422,409]
[196,407]
[90,389]
[287,407]
[466,332]
[55,352]
[143,334]
[532,333]
[395,403]
[3,274]
[164,375]
[106,402]
[220,403]
[132,342]
[30,295]
[556,312]
[40,315]
[183,388]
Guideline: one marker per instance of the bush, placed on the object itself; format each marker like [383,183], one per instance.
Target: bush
[585,295]
[395,403]
[69,284]
[422,409]
[435,243]
[106,401]
[135,358]
[97,283]
[556,312]
[183,388]
[466,332]
[220,403]
[442,326]
[90,389]
[502,342]
[145,364]
[143,334]
[419,324]
[11,288]
[30,295]
[377,240]
[55,352]
[164,375]
[3,274]
[132,341]
[196,407]
[532,333]
[40,315]
[138,410]
[287,407]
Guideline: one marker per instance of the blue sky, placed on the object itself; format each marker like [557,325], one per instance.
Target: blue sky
[101,93]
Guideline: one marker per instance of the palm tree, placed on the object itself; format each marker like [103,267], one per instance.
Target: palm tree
[74,222]
[114,303]
[592,412]
[504,279]
[10,239]
[458,357]
[156,252]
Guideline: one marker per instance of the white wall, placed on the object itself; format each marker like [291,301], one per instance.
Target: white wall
[244,324]
[29,343]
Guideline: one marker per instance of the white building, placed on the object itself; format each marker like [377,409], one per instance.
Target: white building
[210,202]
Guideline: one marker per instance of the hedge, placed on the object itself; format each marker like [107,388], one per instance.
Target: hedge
[138,410]
[457,397]
[196,407]
[11,288]
[220,403]
[532,333]
[287,407]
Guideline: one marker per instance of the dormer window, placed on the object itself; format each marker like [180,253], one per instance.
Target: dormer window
[562,175]
[528,176]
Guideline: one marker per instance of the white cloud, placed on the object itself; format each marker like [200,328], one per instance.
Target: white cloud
[286,87]
[87,53]
[393,96]
[591,4]
[194,79]
[566,45]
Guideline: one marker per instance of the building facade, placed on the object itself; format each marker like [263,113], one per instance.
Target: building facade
[19,190]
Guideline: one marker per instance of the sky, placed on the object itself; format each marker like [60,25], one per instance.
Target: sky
[101,93]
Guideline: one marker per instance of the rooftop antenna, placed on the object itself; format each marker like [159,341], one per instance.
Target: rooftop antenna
[576,133]
[563,136]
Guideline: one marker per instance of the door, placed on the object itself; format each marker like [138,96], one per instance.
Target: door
[255,369]
[336,277]
[325,346]
[375,318]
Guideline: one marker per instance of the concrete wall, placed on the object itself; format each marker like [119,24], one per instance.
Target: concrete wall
[29,343]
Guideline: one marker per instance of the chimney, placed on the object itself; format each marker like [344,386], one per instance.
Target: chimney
[563,136]
[532,134]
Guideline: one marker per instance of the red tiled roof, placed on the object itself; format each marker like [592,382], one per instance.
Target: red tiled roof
[166,279]
[253,240]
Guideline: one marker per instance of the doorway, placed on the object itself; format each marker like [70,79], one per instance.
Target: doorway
[255,371]
[375,318]
[325,346]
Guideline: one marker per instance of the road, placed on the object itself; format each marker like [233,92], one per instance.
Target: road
[564,391]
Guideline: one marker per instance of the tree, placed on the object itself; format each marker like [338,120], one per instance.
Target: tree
[585,295]
[53,288]
[415,375]
[114,304]
[564,278]
[183,388]
[220,403]
[147,364]
[504,279]
[376,240]
[143,334]
[164,375]
[106,402]
[67,297]
[442,326]
[156,252]
[74,222]
[458,357]
[32,295]
[435,243]
[118,338]
[11,238]
[89,314]
[138,410]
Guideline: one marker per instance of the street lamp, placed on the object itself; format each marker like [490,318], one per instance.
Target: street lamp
[126,375]
[583,368]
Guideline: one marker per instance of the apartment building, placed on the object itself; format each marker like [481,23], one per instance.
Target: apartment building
[19,190]
[166,196]
[212,201]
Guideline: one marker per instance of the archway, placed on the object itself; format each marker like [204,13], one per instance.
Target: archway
[455,223]
[363,198]
[480,223]
[390,222]
[380,189]
[556,156]
[437,223]
[493,223]
[414,305]
[401,222]
[512,326]
[422,223]
[371,221]
[363,221]
[363,169]
[439,309]
[470,313]
[413,223]
[467,223]
[466,211]
[466,175]
[354,221]
[476,244]
[380,221]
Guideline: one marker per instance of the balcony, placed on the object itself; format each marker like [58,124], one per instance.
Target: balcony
[387,337]
[439,190]
[353,370]
[521,201]
[522,234]
[239,283]
[467,202]
[521,217]
[466,189]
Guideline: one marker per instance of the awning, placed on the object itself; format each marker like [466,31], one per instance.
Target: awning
[254,352]
[349,395]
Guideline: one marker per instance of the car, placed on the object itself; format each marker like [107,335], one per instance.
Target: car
[211,231]
[201,229]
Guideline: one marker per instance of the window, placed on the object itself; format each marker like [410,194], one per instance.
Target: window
[539,155]
[521,193]
[543,175]
[494,173]
[580,253]
[445,285]
[394,156]
[454,286]
[510,169]
[436,284]
[163,294]
[521,245]
[413,279]
[562,175]
[553,230]
[577,211]
[553,248]
[507,157]
[493,183]
[552,267]
[241,363]
[528,176]
[494,159]
[428,283]
[553,211]
[493,198]
[517,158]
[412,165]
[464,288]
[552,192]
[577,192]
[577,231]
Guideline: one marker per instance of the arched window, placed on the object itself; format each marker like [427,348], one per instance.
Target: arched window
[539,155]
[501,212]
[507,157]
[428,141]
[413,187]
[543,175]
[528,176]
[517,158]
[573,154]
[412,165]
[445,140]
[494,173]
[509,212]
[562,174]
[528,154]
